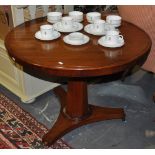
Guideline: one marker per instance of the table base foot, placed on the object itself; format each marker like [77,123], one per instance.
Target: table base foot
[64,125]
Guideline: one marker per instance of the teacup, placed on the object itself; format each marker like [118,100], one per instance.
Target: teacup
[67,22]
[92,16]
[113,36]
[76,15]
[76,36]
[54,16]
[46,31]
[114,20]
[99,25]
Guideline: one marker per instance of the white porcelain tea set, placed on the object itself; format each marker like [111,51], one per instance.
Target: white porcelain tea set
[71,24]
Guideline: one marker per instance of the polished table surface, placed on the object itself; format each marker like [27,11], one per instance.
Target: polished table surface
[56,58]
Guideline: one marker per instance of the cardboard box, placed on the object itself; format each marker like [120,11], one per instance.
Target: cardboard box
[6,22]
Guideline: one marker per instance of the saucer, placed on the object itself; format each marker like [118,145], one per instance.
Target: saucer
[53,21]
[76,27]
[89,29]
[115,25]
[90,21]
[79,20]
[76,42]
[54,36]
[106,43]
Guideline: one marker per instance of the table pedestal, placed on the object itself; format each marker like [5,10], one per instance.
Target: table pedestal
[75,111]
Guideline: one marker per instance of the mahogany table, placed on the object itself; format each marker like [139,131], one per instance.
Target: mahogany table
[76,63]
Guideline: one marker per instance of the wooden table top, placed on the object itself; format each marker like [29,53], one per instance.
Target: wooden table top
[60,59]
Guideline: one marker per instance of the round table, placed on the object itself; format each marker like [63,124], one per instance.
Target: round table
[76,64]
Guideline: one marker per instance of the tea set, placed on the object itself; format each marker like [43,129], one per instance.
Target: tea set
[110,35]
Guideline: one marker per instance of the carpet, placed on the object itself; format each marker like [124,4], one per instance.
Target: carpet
[18,129]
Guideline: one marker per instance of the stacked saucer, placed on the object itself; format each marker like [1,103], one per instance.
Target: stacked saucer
[54,17]
[76,15]
[114,20]
[92,16]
